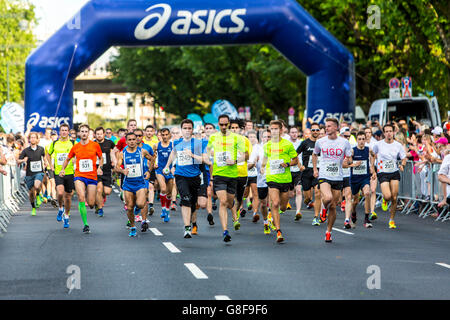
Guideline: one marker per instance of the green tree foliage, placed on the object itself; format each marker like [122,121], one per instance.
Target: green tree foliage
[412,39]
[16,42]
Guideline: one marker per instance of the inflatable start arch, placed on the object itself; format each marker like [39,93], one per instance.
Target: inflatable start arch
[100,24]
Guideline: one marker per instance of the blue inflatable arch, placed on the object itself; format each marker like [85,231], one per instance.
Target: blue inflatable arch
[100,24]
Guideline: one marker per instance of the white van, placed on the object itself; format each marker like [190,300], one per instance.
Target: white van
[420,109]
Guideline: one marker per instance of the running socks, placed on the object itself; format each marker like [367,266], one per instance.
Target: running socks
[83,212]
[163,199]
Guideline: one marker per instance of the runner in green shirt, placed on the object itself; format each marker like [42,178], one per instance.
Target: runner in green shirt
[57,154]
[279,155]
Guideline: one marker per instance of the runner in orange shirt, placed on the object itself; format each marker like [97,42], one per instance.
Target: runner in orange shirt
[86,171]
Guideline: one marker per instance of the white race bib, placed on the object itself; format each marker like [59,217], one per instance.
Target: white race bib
[275,166]
[310,164]
[183,159]
[134,170]
[346,172]
[361,169]
[104,157]
[60,158]
[331,169]
[36,166]
[388,166]
[253,172]
[222,157]
[86,165]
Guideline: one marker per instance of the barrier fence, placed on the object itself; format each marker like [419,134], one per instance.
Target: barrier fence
[420,191]
[13,193]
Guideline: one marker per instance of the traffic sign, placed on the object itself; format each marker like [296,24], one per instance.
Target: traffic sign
[406,87]
[394,83]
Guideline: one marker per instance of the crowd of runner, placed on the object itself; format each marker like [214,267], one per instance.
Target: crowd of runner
[238,168]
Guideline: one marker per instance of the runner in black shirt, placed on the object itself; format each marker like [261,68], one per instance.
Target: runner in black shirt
[34,156]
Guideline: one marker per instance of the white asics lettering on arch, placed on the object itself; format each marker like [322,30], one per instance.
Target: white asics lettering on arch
[44,122]
[187,22]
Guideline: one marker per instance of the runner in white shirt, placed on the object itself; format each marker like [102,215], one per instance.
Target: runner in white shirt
[346,205]
[252,180]
[333,150]
[388,152]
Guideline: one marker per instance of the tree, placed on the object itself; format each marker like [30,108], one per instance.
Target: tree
[16,43]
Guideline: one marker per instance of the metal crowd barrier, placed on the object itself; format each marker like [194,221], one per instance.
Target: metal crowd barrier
[13,193]
[421,192]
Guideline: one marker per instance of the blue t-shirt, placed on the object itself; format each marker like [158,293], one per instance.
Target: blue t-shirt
[135,163]
[187,166]
[163,156]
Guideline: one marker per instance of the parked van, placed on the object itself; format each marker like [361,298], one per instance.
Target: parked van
[421,109]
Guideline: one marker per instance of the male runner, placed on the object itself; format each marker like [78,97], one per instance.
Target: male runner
[189,154]
[34,156]
[86,152]
[370,142]
[333,150]
[152,140]
[165,181]
[296,189]
[279,156]
[388,152]
[227,150]
[60,149]
[135,172]
[346,205]
[252,181]
[104,185]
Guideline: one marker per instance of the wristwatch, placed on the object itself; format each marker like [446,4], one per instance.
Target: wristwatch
[288,164]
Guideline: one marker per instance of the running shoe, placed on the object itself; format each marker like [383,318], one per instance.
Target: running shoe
[298,216]
[33,211]
[226,236]
[255,217]
[210,219]
[347,224]
[194,230]
[187,232]
[128,224]
[243,212]
[151,210]
[237,225]
[323,216]
[354,217]
[367,224]
[38,201]
[100,213]
[373,216]
[288,207]
[60,214]
[144,226]
[279,236]
[271,225]
[343,206]
[328,237]
[138,218]
[163,213]
[43,199]
[54,203]
[173,207]
[66,221]
[266,228]
[86,229]
[249,206]
[384,205]
[310,205]
[316,221]
[392,224]
[167,217]
[281,212]
[132,232]
[96,209]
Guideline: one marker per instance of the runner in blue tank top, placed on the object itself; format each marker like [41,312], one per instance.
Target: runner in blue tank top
[134,186]
[165,181]
[360,175]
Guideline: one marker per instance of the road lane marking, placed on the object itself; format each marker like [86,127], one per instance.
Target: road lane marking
[443,265]
[346,232]
[196,271]
[222,298]
[156,232]
[171,247]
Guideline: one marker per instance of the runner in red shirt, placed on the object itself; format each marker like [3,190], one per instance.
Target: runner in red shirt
[86,171]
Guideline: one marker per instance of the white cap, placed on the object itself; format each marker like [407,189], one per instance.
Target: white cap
[345,129]
[437,131]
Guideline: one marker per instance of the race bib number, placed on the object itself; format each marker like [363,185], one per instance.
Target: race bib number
[361,169]
[389,166]
[104,157]
[36,166]
[60,158]
[252,172]
[183,159]
[275,166]
[310,164]
[201,179]
[134,170]
[86,165]
[346,172]
[331,169]
[222,157]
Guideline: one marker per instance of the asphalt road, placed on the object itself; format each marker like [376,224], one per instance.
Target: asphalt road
[37,256]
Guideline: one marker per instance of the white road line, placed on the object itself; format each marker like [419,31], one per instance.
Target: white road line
[171,247]
[156,232]
[443,264]
[196,271]
[346,232]
[222,298]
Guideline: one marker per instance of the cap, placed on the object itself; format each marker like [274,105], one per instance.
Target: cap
[442,140]
[344,130]
[437,131]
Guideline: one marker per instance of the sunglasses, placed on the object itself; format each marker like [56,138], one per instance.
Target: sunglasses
[223,124]
[315,130]
[139,135]
[346,136]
